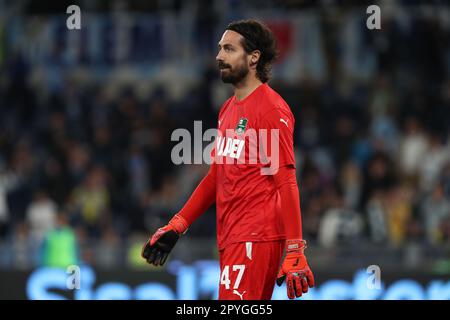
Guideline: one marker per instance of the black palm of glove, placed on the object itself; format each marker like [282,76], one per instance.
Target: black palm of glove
[157,248]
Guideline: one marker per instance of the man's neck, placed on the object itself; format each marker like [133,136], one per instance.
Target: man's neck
[243,89]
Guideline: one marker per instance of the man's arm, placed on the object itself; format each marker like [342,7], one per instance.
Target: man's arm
[295,267]
[286,183]
[157,248]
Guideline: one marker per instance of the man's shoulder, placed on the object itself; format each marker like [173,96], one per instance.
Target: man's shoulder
[273,101]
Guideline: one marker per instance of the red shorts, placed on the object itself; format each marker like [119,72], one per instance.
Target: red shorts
[248,270]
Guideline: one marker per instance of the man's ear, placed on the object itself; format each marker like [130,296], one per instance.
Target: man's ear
[254,58]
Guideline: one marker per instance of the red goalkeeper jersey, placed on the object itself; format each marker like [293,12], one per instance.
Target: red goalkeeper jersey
[247,200]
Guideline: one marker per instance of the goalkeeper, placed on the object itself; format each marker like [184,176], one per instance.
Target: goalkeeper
[257,203]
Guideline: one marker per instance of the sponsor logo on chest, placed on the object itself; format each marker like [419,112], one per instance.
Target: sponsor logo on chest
[230,147]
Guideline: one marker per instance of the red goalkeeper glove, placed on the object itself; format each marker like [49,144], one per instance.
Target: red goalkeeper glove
[157,248]
[295,270]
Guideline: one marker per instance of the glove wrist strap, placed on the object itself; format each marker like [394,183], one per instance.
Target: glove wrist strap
[179,224]
[295,246]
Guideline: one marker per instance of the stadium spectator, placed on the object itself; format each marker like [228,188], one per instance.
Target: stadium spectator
[41,215]
[60,247]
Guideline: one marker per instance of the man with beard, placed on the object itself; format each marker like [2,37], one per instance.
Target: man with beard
[258,210]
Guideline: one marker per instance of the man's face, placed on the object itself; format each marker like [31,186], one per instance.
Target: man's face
[232,58]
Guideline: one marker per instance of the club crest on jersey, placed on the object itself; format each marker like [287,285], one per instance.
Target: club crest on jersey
[242,124]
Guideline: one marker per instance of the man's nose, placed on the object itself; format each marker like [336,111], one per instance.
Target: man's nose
[219,56]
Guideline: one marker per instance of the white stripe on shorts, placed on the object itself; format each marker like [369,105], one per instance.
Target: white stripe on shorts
[248,248]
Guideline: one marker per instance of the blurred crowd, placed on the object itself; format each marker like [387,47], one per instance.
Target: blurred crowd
[79,165]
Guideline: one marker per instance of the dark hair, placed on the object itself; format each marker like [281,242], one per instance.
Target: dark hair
[257,36]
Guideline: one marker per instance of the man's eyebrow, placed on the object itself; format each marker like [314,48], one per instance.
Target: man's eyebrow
[225,45]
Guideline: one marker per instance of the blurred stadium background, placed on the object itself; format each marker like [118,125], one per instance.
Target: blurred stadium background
[86,118]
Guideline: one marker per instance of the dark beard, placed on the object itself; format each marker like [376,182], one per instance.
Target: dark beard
[235,76]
